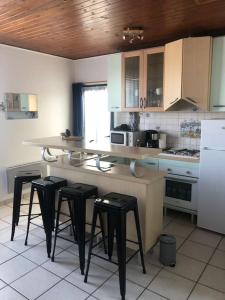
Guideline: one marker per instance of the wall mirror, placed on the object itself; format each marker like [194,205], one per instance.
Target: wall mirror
[21,106]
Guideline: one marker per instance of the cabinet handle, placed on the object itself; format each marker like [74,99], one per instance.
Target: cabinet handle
[173,101]
[141,103]
[188,172]
[151,163]
[190,99]
[145,103]
[117,107]
[218,105]
[169,170]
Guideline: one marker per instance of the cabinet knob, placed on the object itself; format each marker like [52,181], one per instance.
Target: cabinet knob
[169,170]
[188,172]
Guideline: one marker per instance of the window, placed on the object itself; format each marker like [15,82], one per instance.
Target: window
[96,114]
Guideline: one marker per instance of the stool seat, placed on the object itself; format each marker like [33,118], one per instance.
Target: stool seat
[28,176]
[49,181]
[116,201]
[79,189]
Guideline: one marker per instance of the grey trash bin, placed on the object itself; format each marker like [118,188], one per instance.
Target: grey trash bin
[167,250]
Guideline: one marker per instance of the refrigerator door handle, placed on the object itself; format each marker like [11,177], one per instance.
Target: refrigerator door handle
[214,149]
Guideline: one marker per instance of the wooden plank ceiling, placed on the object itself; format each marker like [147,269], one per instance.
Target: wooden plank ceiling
[84,28]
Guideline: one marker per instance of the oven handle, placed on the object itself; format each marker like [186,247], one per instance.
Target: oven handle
[181,179]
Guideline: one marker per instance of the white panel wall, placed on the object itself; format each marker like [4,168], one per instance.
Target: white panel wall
[90,69]
[50,78]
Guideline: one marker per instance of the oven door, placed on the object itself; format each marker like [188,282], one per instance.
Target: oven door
[181,191]
[118,138]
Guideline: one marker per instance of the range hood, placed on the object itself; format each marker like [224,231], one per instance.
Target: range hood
[185,103]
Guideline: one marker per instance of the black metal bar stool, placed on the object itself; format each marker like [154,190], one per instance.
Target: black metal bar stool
[117,206]
[76,196]
[46,189]
[21,178]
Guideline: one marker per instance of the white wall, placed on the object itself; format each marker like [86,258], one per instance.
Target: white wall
[90,69]
[50,78]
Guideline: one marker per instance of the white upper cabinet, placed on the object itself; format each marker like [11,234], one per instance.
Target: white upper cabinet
[114,81]
[217,96]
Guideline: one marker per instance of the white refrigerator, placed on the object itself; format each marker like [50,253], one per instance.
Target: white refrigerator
[211,201]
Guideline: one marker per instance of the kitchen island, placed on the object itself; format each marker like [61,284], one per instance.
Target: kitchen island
[148,189]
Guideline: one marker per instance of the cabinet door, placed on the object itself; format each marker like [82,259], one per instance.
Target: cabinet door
[132,81]
[196,70]
[114,82]
[217,96]
[172,73]
[153,79]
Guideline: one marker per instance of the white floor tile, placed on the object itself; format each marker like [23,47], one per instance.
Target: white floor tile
[5,234]
[218,259]
[148,295]
[204,293]
[96,277]
[64,290]
[205,237]
[14,268]
[18,243]
[181,230]
[35,283]
[171,286]
[10,294]
[136,275]
[197,251]
[38,254]
[105,264]
[39,232]
[214,278]
[64,264]
[166,220]
[2,284]
[3,224]
[222,244]
[187,267]
[5,211]
[6,254]
[110,290]
[152,257]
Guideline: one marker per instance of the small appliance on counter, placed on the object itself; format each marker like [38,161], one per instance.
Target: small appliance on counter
[151,139]
[126,138]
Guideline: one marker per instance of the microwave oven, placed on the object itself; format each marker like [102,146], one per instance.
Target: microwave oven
[125,138]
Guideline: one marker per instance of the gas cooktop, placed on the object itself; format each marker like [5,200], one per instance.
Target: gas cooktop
[193,153]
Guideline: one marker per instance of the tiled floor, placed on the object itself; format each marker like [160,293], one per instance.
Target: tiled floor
[27,273]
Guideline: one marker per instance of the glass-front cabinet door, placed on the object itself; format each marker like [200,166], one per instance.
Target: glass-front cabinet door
[132,77]
[153,79]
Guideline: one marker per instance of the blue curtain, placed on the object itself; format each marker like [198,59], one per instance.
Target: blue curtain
[77,118]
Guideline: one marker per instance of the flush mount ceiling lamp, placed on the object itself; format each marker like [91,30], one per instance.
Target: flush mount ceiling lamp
[133,33]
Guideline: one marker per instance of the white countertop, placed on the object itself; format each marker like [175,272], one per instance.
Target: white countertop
[57,142]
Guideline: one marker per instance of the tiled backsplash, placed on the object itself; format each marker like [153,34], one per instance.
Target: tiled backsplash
[169,122]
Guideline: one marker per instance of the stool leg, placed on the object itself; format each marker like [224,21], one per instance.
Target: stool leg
[29,213]
[103,231]
[80,217]
[110,235]
[136,215]
[94,220]
[16,205]
[72,220]
[56,227]
[121,251]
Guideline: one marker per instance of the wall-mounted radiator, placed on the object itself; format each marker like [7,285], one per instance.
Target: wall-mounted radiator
[12,171]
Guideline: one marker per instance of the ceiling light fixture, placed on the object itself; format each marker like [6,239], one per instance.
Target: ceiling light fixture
[133,33]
